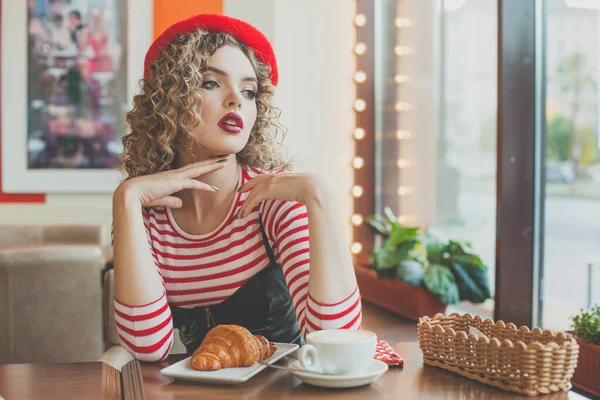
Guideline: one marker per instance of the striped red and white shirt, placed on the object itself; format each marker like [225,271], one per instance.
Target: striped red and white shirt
[203,270]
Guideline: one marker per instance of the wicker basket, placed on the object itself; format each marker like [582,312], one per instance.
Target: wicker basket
[529,362]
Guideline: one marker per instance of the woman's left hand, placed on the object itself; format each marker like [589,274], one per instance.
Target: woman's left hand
[299,187]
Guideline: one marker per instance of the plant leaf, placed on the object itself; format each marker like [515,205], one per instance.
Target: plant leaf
[391,218]
[469,259]
[400,236]
[472,281]
[436,246]
[419,251]
[587,325]
[410,271]
[378,225]
[438,279]
[387,259]
[456,247]
[451,296]
[390,255]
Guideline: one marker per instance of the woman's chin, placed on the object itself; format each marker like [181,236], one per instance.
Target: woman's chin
[222,150]
[223,145]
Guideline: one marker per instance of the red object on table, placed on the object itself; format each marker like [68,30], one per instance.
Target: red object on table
[387,354]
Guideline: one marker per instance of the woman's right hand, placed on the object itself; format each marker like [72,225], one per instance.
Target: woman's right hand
[157,189]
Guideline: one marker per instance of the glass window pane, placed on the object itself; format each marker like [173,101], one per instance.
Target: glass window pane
[572,221]
[466,151]
[436,95]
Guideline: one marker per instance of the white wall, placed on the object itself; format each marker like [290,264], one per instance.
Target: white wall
[313,41]
[259,13]
[314,44]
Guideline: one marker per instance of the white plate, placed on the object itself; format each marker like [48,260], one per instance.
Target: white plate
[374,372]
[183,369]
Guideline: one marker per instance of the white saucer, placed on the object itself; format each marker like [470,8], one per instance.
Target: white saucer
[374,372]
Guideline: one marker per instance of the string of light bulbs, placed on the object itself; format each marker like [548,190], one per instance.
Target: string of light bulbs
[401,107]
[360,105]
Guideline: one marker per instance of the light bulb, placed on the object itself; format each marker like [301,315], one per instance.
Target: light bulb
[356,219]
[404,190]
[402,106]
[403,50]
[359,133]
[358,162]
[402,22]
[356,248]
[403,163]
[402,78]
[360,105]
[403,219]
[357,191]
[360,48]
[403,134]
[360,19]
[360,76]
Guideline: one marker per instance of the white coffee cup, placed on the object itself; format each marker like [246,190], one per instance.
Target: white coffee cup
[338,351]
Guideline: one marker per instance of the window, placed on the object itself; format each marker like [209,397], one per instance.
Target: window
[486,127]
[572,200]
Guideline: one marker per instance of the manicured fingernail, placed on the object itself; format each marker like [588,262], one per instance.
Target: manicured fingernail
[216,189]
[239,189]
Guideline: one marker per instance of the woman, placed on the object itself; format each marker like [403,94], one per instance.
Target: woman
[209,228]
[97,39]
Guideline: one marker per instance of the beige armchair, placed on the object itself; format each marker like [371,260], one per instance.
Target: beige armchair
[53,304]
[18,235]
[50,294]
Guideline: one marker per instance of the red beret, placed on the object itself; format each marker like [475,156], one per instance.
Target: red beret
[240,30]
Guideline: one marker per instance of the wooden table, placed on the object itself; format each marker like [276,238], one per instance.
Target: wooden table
[414,381]
[85,380]
[96,380]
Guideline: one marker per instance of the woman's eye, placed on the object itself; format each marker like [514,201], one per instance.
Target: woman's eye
[210,84]
[251,94]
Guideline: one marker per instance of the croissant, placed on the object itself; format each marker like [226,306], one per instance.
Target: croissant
[228,346]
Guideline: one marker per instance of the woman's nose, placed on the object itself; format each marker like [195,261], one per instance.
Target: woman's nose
[233,99]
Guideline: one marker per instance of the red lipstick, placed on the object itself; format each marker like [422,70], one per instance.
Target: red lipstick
[231,123]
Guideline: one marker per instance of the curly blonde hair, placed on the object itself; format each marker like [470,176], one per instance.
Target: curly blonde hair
[168,109]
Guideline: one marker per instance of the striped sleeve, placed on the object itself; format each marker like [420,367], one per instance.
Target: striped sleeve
[146,331]
[287,224]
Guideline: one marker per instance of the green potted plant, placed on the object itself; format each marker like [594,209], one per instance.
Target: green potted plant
[586,327]
[420,274]
[454,272]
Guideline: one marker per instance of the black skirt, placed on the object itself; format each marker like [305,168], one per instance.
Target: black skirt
[262,305]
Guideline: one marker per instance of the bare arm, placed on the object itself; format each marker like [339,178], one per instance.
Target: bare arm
[287,224]
[332,277]
[137,280]
[142,314]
